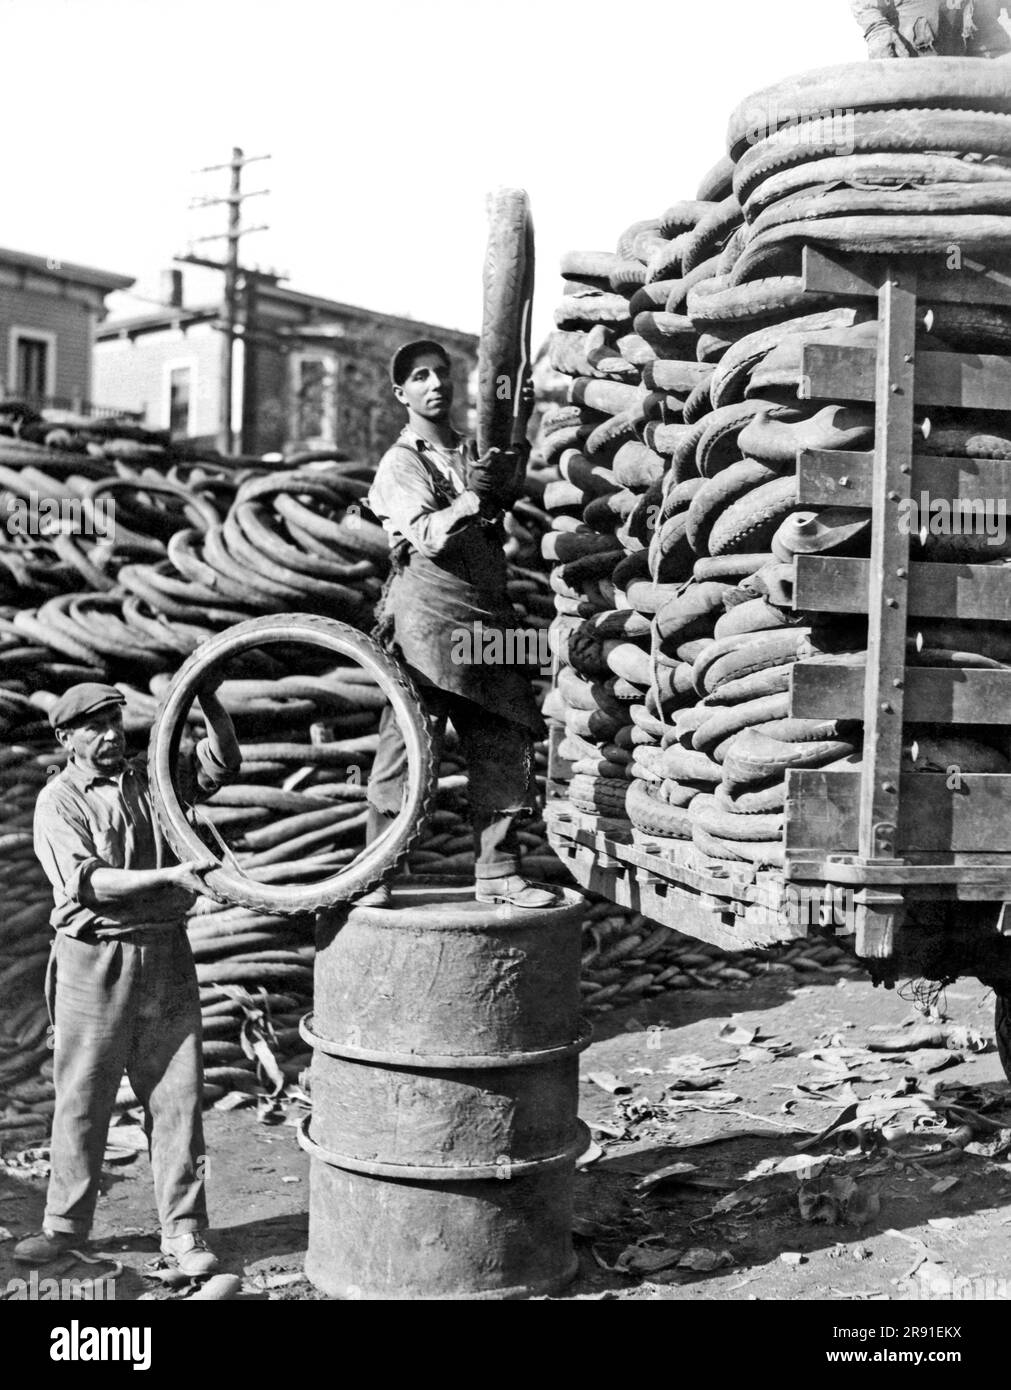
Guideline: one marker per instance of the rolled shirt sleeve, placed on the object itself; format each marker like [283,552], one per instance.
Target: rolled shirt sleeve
[65,847]
[211,773]
[405,500]
[873,15]
[199,773]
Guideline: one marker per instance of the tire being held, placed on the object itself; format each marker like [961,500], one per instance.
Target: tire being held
[376,860]
[504,357]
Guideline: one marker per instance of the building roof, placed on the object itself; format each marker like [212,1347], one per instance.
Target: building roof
[318,311]
[155,319]
[65,270]
[323,309]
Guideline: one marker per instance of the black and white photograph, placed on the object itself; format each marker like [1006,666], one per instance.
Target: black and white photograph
[505,671]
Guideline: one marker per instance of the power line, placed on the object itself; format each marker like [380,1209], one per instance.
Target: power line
[232,270]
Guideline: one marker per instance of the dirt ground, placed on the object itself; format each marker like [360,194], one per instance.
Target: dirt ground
[877,1211]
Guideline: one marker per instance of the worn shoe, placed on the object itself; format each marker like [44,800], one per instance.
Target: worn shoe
[380,896]
[515,891]
[45,1246]
[191,1254]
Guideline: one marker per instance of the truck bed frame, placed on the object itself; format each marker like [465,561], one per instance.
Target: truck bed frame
[862,847]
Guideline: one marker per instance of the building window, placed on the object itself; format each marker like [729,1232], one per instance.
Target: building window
[179,402]
[31,372]
[179,397]
[313,415]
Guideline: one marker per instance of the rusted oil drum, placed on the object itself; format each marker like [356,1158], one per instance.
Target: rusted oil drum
[444,1132]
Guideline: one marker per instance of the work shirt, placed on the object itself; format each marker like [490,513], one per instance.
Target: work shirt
[446,597]
[419,494]
[86,821]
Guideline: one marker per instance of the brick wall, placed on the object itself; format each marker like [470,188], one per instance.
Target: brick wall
[68,318]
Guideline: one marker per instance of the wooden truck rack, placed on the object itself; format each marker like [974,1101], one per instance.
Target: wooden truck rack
[880,837]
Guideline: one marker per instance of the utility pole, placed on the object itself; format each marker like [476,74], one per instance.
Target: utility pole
[225,438]
[230,265]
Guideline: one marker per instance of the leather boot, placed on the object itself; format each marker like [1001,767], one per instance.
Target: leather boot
[45,1246]
[513,890]
[376,823]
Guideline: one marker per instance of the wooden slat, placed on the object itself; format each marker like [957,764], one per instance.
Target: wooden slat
[971,283]
[836,478]
[825,691]
[837,373]
[833,584]
[823,812]
[947,876]
[929,877]
[896,374]
[934,695]
[678,861]
[877,914]
[968,380]
[973,381]
[670,893]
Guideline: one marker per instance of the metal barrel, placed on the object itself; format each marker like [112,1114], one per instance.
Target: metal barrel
[444,1130]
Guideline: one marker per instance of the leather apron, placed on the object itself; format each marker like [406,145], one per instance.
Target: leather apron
[447,621]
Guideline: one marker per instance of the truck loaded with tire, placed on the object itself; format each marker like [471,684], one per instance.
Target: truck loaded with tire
[782,643]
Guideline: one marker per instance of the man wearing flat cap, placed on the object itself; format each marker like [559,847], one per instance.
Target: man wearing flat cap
[443,510]
[121,984]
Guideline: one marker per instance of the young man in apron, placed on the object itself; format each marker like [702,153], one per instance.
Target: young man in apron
[443,510]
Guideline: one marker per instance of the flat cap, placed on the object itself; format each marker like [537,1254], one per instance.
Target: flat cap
[83,699]
[400,362]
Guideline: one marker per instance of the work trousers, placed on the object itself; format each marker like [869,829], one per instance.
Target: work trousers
[126,1004]
[500,764]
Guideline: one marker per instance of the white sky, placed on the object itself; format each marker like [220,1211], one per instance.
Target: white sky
[388,123]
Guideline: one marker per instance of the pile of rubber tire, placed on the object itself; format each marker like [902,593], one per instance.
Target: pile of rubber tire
[676,520]
[200,543]
[630,959]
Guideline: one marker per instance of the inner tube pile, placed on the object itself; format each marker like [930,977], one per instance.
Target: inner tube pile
[676,517]
[120,554]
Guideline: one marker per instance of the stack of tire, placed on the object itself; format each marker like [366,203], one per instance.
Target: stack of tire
[25,1067]
[723,631]
[199,544]
[634,363]
[627,959]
